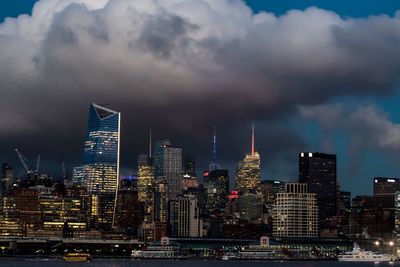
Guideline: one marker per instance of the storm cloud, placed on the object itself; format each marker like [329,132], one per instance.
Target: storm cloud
[181,67]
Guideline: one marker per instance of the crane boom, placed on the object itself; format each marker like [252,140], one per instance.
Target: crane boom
[23,160]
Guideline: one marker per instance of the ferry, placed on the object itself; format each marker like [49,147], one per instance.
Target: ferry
[360,255]
[77,257]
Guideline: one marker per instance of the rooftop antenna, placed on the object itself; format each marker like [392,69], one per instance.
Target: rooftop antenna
[150,141]
[252,140]
[215,146]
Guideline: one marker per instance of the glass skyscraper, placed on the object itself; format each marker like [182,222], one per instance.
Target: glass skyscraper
[101,161]
[168,164]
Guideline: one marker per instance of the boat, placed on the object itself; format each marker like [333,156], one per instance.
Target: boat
[360,255]
[77,257]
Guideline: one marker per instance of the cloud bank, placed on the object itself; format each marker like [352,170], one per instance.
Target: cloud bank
[180,66]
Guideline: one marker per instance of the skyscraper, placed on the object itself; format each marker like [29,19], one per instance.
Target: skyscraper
[295,213]
[161,200]
[101,158]
[145,184]
[168,164]
[318,171]
[248,171]
[217,186]
[6,179]
[184,217]
[189,165]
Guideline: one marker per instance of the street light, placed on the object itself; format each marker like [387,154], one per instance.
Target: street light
[377,243]
[391,243]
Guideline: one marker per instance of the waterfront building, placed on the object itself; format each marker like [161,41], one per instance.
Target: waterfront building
[373,216]
[168,164]
[184,217]
[101,158]
[318,171]
[386,186]
[248,171]
[397,221]
[217,185]
[295,213]
[145,184]
[129,212]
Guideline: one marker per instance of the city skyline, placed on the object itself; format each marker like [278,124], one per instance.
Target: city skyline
[182,75]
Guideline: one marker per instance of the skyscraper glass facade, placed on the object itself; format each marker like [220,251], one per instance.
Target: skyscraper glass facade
[101,160]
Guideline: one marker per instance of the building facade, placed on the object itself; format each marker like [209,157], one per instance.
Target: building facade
[217,185]
[168,164]
[386,186]
[101,159]
[145,185]
[318,171]
[184,217]
[295,213]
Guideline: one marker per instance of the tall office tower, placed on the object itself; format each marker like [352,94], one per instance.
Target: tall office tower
[189,178]
[248,171]
[145,184]
[189,164]
[161,200]
[7,177]
[295,213]
[214,165]
[397,219]
[101,158]
[318,171]
[217,185]
[184,217]
[386,186]
[168,164]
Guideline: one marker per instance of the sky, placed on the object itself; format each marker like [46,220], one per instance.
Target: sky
[312,76]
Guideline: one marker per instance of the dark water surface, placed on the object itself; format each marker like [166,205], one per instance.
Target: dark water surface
[184,263]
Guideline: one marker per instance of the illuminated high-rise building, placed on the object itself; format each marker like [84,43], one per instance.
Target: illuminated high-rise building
[145,184]
[248,171]
[318,171]
[295,213]
[216,183]
[168,164]
[161,200]
[101,158]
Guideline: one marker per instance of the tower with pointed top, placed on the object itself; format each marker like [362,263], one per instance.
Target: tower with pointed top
[101,163]
[248,170]
[214,165]
[145,182]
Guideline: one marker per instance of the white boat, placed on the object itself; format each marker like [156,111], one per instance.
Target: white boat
[360,255]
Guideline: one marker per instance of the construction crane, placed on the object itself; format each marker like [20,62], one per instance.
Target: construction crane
[24,162]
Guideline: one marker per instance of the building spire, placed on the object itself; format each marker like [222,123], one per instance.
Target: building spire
[252,140]
[150,141]
[215,146]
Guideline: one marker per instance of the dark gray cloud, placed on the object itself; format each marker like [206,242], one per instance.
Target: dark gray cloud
[181,67]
